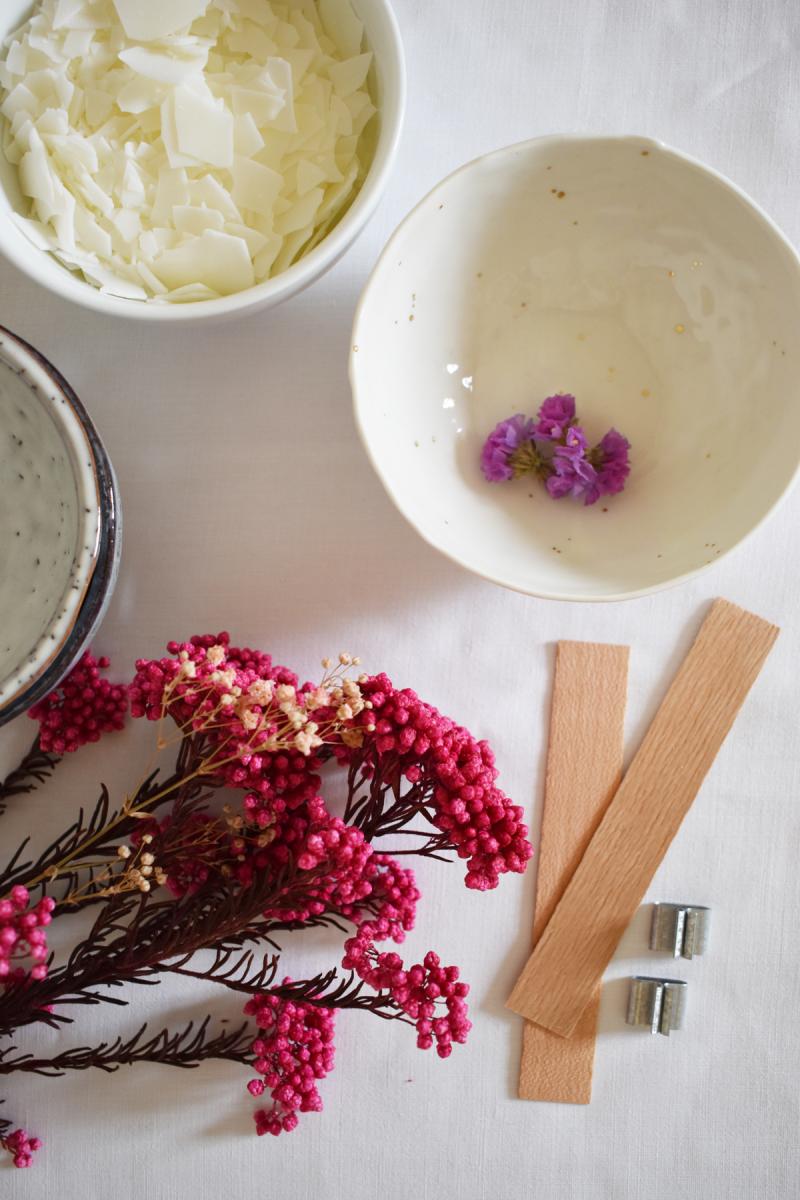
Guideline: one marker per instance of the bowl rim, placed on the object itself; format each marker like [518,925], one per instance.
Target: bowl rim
[360,401]
[105,535]
[26,257]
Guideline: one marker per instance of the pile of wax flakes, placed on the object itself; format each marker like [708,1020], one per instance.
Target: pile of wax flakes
[181,150]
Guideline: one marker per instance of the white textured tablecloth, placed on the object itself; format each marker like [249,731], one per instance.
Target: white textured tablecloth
[250,505]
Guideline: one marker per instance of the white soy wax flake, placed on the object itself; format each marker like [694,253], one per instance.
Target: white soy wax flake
[146,20]
[255,187]
[54,120]
[342,25]
[300,214]
[188,219]
[77,43]
[264,259]
[71,149]
[169,136]
[128,226]
[94,195]
[263,105]
[164,66]
[210,191]
[97,106]
[218,260]
[299,61]
[179,150]
[65,12]
[309,175]
[278,73]
[203,126]
[133,192]
[347,77]
[90,234]
[137,96]
[256,241]
[114,285]
[151,281]
[247,140]
[172,190]
[190,294]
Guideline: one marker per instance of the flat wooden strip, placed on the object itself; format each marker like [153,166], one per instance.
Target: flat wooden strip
[560,1069]
[699,709]
[584,764]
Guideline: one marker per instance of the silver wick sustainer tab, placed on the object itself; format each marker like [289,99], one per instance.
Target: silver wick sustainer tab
[680,929]
[658,1003]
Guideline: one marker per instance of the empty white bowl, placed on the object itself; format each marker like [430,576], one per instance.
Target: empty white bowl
[383,38]
[621,271]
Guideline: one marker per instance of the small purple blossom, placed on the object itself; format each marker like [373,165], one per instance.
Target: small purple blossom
[589,474]
[613,463]
[573,474]
[555,416]
[575,444]
[502,443]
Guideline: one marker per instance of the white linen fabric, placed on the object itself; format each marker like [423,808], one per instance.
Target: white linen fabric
[250,505]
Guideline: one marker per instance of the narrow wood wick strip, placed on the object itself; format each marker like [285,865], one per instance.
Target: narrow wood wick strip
[584,765]
[645,814]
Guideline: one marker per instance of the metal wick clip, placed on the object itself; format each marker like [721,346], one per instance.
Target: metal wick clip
[679,929]
[658,1003]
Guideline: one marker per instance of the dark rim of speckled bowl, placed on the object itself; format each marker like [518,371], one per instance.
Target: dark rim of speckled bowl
[101,585]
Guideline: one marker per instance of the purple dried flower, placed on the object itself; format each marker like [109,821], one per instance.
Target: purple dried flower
[590,474]
[610,457]
[575,444]
[555,416]
[509,449]
[555,448]
[573,474]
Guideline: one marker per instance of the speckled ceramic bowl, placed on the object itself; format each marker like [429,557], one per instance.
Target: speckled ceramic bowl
[621,271]
[383,38]
[59,526]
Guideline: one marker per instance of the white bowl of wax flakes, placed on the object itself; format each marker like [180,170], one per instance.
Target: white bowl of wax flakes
[624,273]
[184,159]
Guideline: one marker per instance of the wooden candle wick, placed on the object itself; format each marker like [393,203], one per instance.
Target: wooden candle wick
[584,765]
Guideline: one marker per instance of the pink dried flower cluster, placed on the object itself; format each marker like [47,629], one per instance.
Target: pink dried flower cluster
[427,992]
[191,680]
[336,855]
[393,899]
[247,708]
[22,935]
[82,708]
[484,826]
[21,1146]
[293,1050]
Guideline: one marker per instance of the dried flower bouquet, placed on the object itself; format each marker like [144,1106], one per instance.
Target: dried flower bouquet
[169,873]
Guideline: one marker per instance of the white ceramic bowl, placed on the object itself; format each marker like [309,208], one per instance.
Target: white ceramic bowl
[59,526]
[621,271]
[383,38]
